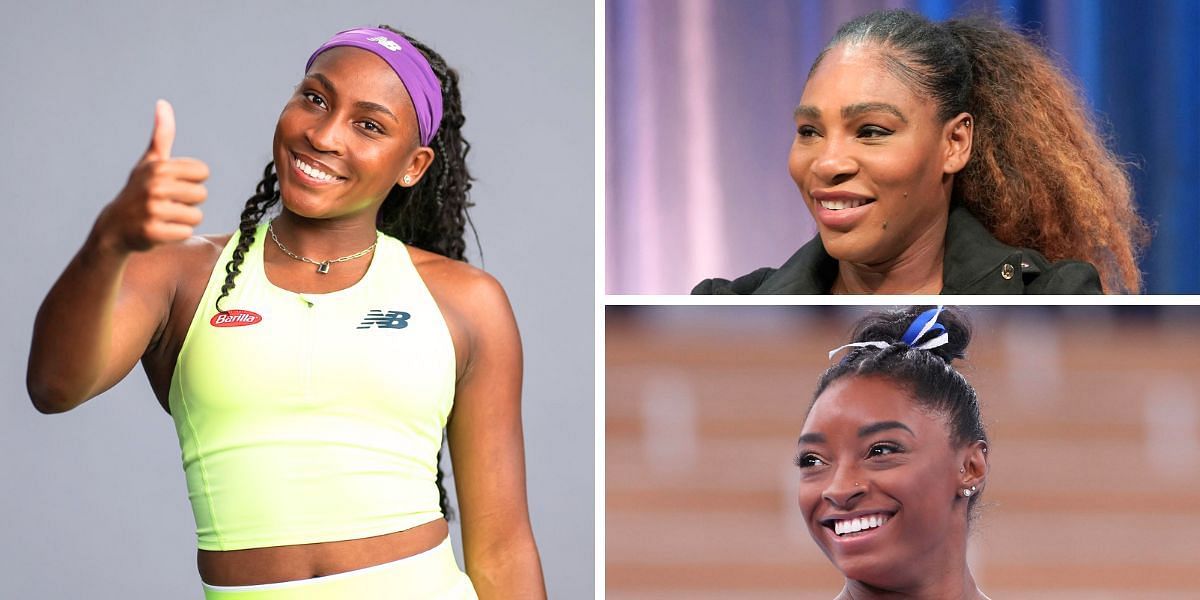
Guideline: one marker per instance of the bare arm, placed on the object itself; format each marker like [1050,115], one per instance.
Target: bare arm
[104,310]
[488,451]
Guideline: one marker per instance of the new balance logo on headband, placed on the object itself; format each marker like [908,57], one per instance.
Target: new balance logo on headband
[386,43]
[392,319]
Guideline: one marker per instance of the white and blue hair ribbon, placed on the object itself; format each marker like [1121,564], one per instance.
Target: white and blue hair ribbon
[925,323]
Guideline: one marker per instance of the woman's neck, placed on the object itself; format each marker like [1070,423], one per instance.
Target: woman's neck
[321,239]
[917,270]
[956,585]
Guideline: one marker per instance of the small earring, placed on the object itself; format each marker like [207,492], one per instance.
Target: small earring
[962,470]
[855,484]
[408,180]
[967,492]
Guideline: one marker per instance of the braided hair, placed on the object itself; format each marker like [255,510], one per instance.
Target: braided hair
[926,375]
[431,215]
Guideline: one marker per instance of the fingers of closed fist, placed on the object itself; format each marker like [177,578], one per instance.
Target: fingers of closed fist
[176,191]
[188,169]
[168,211]
[161,231]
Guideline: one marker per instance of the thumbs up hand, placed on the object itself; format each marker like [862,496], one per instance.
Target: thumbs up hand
[160,202]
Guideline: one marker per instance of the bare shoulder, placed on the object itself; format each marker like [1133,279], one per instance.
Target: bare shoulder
[174,264]
[476,310]
[199,247]
[196,258]
[454,283]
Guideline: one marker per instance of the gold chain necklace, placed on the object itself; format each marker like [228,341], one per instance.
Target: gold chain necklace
[322,267]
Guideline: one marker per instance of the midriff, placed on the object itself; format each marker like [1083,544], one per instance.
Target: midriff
[254,566]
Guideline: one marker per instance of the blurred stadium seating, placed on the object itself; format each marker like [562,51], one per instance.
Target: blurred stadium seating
[1094,415]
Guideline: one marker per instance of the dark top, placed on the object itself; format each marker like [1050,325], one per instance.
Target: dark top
[975,263]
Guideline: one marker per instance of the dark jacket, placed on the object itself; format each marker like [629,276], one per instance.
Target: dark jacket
[975,263]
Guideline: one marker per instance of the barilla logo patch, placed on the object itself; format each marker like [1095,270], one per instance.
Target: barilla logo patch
[386,43]
[235,318]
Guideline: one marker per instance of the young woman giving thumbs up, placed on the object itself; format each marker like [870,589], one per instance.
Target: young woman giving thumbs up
[313,360]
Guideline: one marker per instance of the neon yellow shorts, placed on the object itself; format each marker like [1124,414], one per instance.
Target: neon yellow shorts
[432,574]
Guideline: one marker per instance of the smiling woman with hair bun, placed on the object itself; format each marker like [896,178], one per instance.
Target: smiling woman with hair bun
[893,458]
[314,360]
[950,158]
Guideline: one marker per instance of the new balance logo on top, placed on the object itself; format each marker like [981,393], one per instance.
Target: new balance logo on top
[386,43]
[392,319]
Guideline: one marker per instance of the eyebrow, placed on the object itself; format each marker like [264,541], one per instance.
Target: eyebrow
[812,438]
[361,104]
[864,431]
[809,111]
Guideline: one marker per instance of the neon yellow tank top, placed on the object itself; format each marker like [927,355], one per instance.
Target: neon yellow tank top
[308,418]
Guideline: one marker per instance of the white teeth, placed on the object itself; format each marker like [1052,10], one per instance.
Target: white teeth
[314,172]
[843,204]
[859,524]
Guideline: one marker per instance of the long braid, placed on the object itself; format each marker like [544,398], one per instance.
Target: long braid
[266,196]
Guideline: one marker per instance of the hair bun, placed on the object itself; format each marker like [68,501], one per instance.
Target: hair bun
[889,326]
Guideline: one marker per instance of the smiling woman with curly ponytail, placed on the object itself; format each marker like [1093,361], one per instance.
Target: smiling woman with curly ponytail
[951,158]
[315,361]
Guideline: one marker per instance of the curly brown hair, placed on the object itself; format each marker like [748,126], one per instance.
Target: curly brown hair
[1040,175]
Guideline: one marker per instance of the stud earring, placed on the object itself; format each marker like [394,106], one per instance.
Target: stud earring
[967,492]
[962,470]
[408,180]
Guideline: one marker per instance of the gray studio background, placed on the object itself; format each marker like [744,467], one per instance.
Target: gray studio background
[94,501]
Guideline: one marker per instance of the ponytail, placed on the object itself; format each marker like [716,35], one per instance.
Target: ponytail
[1040,175]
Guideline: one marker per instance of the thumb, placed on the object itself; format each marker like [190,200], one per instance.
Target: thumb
[164,132]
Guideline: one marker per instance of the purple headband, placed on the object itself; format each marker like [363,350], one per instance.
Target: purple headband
[409,64]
